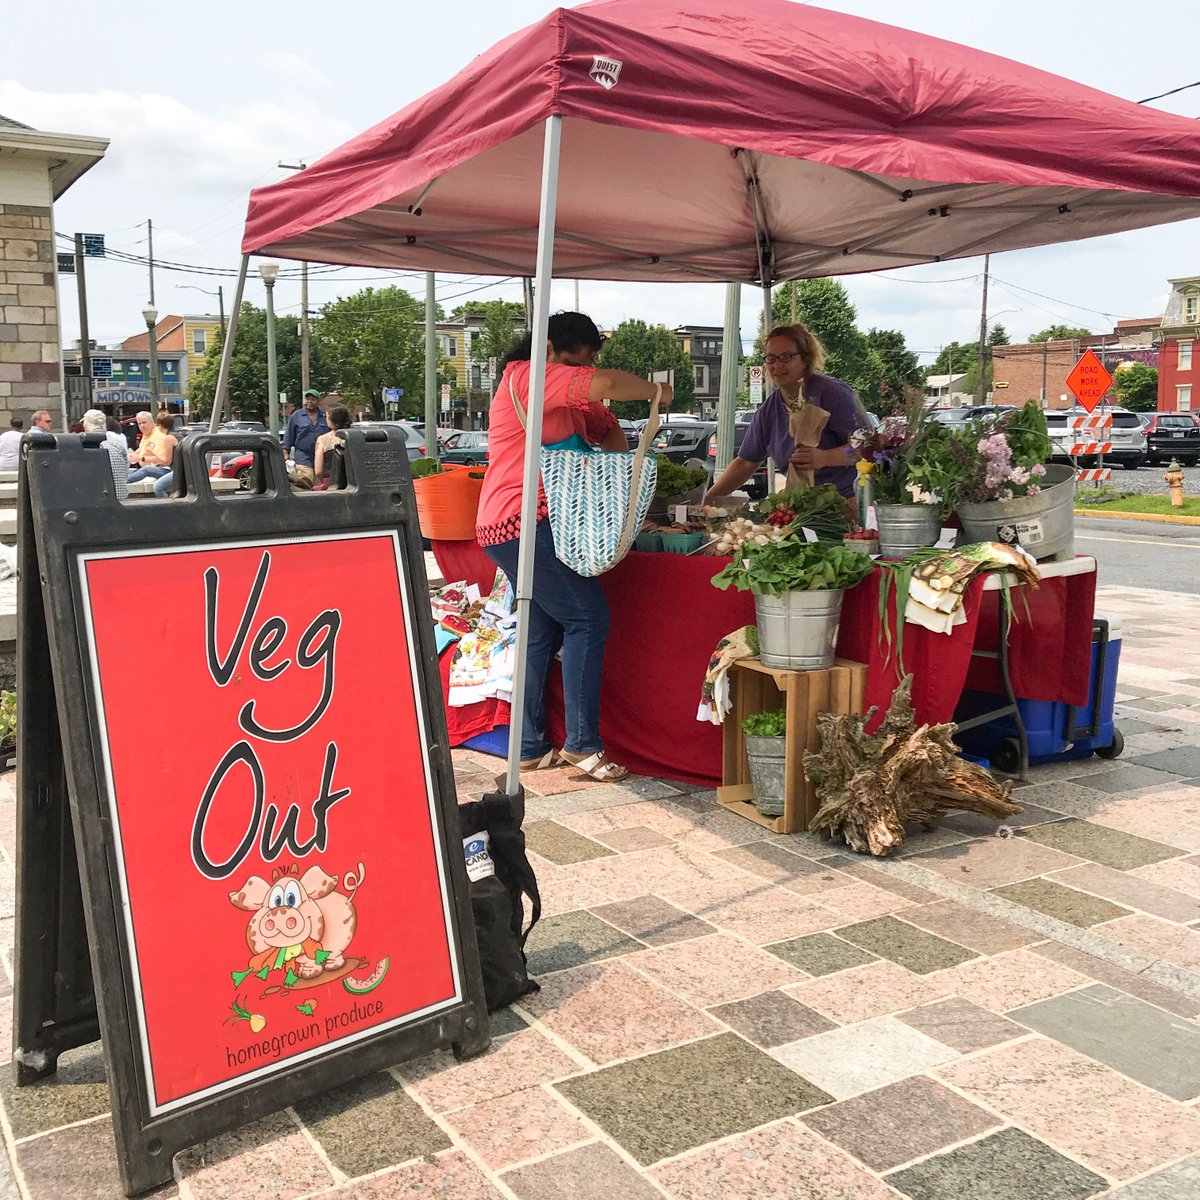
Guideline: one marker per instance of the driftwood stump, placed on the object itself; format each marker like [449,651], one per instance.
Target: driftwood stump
[871,785]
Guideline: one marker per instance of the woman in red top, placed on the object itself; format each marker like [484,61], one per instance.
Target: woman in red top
[568,610]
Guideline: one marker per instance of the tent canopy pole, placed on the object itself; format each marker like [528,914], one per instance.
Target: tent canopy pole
[220,399]
[533,440]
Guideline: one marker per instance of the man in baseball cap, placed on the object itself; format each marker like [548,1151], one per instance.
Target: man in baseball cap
[304,426]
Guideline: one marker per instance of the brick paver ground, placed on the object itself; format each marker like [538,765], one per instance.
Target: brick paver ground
[725,1013]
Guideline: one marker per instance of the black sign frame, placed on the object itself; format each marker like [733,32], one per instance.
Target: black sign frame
[72,964]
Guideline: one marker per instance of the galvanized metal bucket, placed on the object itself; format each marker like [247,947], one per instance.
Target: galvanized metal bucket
[766,758]
[1043,524]
[798,630]
[906,528]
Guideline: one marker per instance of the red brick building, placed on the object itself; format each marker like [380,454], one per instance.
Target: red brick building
[1029,371]
[1178,332]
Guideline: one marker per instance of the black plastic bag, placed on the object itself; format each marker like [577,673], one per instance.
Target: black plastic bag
[496,898]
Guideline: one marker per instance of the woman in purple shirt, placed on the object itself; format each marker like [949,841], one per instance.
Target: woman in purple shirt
[793,356]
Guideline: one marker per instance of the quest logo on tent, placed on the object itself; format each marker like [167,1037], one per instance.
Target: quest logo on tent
[605,71]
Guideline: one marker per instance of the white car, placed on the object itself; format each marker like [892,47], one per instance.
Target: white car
[1127,435]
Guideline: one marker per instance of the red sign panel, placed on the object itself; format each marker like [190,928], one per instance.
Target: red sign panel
[1089,380]
[269,788]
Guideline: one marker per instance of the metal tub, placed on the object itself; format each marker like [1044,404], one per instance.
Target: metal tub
[906,528]
[1043,524]
[766,757]
[797,630]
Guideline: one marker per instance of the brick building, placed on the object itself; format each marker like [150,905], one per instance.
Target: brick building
[1178,377]
[35,169]
[1029,371]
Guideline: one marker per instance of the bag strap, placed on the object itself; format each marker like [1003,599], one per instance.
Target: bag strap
[639,460]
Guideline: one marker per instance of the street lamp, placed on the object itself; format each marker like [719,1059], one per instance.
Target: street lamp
[269,271]
[150,315]
[219,293]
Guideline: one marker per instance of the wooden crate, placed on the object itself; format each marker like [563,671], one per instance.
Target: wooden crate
[754,688]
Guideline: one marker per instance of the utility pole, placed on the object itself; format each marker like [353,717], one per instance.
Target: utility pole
[981,382]
[221,306]
[794,317]
[85,350]
[527,290]
[150,255]
[1045,356]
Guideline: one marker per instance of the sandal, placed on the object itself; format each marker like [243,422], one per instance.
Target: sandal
[552,758]
[596,766]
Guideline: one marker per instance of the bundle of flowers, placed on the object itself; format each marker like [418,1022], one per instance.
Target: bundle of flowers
[1001,458]
[905,454]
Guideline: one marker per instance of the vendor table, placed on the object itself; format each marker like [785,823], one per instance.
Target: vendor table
[667,620]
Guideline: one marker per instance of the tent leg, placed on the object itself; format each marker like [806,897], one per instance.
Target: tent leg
[533,441]
[220,399]
[731,356]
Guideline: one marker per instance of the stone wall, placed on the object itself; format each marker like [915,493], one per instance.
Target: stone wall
[29,352]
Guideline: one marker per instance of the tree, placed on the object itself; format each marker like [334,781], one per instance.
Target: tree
[892,374]
[999,336]
[1053,333]
[503,324]
[248,390]
[953,359]
[642,349]
[1136,386]
[376,339]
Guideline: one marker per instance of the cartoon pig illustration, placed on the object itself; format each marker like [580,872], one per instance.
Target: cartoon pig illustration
[299,921]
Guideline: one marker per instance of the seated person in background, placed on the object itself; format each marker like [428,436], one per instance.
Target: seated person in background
[94,421]
[10,445]
[338,417]
[152,459]
[42,423]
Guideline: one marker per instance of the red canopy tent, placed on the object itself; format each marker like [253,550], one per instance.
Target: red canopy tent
[695,132]
[690,140]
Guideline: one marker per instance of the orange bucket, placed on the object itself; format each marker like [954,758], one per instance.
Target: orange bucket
[447,503]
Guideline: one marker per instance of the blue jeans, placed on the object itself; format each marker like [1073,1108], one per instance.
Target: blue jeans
[162,485]
[147,473]
[570,611]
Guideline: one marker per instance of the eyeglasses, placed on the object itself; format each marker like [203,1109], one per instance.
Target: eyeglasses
[771,359]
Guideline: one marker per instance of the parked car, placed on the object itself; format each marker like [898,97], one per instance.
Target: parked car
[243,427]
[757,486]
[414,434]
[1173,435]
[469,448]
[681,440]
[1128,439]
[632,432]
[952,417]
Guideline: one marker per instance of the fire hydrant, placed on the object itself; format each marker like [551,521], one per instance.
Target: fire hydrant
[1174,480]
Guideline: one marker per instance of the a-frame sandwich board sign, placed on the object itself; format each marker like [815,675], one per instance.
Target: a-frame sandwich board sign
[239,861]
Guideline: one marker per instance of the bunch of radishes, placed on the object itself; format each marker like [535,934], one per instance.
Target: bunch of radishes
[740,531]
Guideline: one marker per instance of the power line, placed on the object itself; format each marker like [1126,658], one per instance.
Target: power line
[1172,92]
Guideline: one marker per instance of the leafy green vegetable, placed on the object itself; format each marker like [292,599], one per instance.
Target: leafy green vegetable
[793,565]
[821,509]
[766,724]
[674,480]
[424,466]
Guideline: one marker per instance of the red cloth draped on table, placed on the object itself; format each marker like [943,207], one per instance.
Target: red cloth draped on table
[1049,650]
[667,620]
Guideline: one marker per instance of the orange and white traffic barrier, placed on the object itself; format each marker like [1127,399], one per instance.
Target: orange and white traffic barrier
[1094,475]
[1091,448]
[1094,421]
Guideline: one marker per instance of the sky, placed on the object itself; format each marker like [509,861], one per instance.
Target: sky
[201,105]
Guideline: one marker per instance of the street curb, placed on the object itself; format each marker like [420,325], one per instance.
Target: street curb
[1127,516]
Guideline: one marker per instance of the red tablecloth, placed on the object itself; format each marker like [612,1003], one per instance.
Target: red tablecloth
[667,619]
[1050,648]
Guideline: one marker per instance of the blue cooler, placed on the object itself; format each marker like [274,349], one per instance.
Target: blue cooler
[1055,731]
